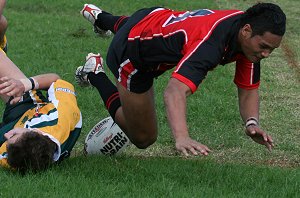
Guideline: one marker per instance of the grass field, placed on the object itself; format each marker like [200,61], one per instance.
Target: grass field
[51,36]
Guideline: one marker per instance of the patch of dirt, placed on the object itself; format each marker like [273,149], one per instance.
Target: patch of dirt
[291,58]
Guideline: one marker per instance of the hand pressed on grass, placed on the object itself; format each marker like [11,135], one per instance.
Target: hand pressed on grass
[187,145]
[260,136]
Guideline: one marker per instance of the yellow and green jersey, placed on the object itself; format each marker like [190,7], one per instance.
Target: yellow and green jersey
[3,44]
[58,115]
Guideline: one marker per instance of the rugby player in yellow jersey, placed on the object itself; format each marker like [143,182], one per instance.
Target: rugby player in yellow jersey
[37,131]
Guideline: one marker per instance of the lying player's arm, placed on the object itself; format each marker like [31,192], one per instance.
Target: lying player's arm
[16,88]
[44,81]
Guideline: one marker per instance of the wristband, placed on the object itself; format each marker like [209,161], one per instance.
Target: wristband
[29,84]
[32,83]
[36,84]
[251,121]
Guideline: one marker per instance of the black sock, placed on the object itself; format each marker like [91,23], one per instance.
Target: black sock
[107,90]
[107,21]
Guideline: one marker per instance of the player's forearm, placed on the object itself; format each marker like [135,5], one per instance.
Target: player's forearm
[45,80]
[248,103]
[9,69]
[175,102]
[42,81]
[176,117]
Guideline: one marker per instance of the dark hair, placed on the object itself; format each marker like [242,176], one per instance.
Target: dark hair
[265,17]
[32,151]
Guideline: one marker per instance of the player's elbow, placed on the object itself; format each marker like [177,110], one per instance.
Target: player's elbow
[56,76]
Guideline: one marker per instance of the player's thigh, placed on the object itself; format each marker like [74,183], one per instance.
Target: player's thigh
[139,111]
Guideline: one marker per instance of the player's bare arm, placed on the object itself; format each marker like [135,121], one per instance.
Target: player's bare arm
[13,71]
[175,102]
[249,110]
[15,88]
[2,5]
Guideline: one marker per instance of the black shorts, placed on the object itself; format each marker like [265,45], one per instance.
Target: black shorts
[119,63]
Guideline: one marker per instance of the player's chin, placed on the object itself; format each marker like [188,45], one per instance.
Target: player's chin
[255,59]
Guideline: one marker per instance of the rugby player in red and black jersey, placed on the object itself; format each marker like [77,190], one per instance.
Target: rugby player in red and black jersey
[191,43]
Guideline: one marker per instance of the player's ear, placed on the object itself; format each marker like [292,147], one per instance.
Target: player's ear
[246,31]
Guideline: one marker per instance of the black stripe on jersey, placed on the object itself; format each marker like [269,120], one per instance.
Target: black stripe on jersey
[256,73]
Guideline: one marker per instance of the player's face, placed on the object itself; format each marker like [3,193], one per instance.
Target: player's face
[258,47]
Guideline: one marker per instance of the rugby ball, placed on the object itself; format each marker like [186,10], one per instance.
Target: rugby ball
[106,138]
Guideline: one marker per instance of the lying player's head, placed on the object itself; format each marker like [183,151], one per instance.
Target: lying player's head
[265,17]
[29,150]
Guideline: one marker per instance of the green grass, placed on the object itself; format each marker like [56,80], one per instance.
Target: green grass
[153,177]
[51,36]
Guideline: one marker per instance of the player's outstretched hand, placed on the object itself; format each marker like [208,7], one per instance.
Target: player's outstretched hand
[259,136]
[12,87]
[189,146]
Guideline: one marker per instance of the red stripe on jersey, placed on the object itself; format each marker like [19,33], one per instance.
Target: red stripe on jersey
[159,35]
[245,74]
[126,71]
[186,81]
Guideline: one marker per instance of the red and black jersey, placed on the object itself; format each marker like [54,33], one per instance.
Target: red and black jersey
[193,42]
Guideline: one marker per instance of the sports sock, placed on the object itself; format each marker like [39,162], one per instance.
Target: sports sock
[107,90]
[107,21]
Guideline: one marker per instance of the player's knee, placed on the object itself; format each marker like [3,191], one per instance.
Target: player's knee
[144,141]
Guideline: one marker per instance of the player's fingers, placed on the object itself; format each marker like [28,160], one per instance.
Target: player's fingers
[193,151]
[15,100]
[202,150]
[2,86]
[8,91]
[269,146]
[206,148]
[14,92]
[3,79]
[264,136]
[270,139]
[272,144]
[5,84]
[184,151]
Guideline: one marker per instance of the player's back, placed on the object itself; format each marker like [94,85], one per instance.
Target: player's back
[165,36]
